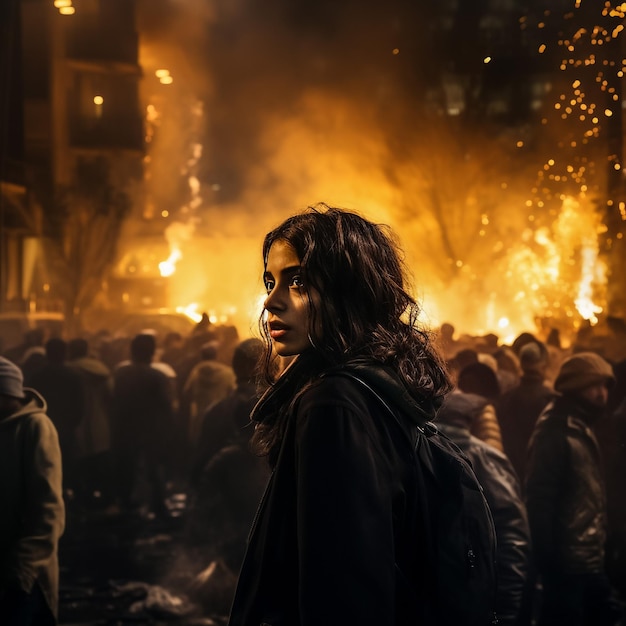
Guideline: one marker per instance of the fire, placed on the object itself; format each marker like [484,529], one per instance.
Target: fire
[191,311]
[506,270]
[168,267]
[584,302]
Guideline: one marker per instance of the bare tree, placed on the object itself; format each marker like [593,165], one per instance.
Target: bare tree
[90,218]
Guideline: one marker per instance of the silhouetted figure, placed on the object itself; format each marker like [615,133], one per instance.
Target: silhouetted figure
[142,423]
[32,514]
[519,409]
[64,393]
[209,382]
[32,341]
[93,434]
[611,434]
[222,424]
[481,380]
[509,370]
[521,340]
[566,503]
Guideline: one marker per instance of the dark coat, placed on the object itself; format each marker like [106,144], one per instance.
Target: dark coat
[565,491]
[64,393]
[333,541]
[502,491]
[142,410]
[518,411]
[224,424]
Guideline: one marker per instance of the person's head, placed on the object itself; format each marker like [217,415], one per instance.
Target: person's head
[507,360]
[586,376]
[77,349]
[338,273]
[534,358]
[35,337]
[463,358]
[521,340]
[142,348]
[246,360]
[11,387]
[56,350]
[446,331]
[480,379]
[172,339]
[336,284]
[208,351]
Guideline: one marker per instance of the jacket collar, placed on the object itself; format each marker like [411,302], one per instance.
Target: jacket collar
[309,366]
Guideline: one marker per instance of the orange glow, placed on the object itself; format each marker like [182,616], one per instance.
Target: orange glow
[191,311]
[168,267]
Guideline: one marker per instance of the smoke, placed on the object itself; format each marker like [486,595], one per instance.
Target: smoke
[329,102]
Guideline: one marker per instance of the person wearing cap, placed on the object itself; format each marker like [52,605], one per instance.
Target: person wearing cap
[31,501]
[565,498]
[519,408]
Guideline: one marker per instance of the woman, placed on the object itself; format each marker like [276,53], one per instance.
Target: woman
[335,539]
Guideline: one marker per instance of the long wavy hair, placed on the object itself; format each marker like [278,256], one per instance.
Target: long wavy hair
[366,311]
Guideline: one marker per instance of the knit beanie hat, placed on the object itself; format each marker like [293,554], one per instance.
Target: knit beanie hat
[582,370]
[11,379]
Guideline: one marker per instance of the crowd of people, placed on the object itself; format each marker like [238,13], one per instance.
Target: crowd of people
[102,422]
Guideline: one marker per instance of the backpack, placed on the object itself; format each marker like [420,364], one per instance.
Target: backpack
[453,508]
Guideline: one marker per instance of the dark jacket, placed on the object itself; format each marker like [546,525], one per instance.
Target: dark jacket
[565,491]
[502,491]
[64,393]
[93,434]
[333,541]
[224,424]
[518,411]
[142,410]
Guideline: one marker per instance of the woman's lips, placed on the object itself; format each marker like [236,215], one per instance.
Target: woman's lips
[278,330]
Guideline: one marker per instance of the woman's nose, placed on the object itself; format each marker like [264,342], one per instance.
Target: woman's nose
[273,302]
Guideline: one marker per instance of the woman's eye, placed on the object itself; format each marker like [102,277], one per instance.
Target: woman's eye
[269,285]
[296,281]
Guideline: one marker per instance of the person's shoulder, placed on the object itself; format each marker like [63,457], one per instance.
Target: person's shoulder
[332,390]
[35,418]
[486,450]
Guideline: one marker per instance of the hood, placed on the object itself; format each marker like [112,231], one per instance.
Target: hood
[91,366]
[34,403]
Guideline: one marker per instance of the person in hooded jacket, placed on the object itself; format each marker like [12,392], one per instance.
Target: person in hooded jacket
[566,501]
[33,513]
[334,540]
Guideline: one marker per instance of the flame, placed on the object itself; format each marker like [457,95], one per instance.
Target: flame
[168,267]
[191,311]
[584,302]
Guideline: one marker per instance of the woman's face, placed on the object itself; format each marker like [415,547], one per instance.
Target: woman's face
[287,302]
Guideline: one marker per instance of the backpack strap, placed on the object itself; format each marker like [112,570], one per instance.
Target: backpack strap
[427,428]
